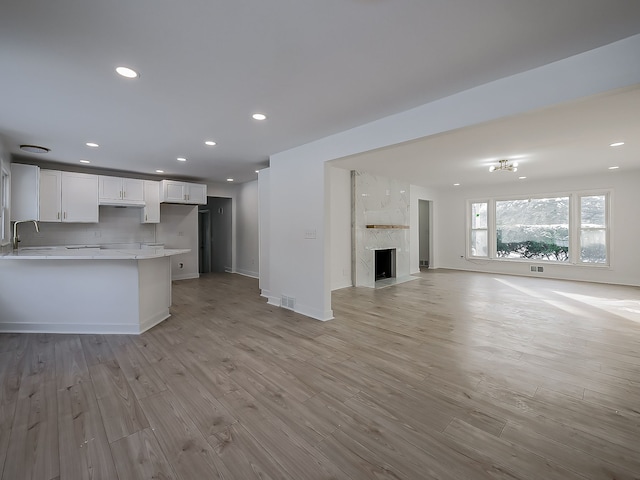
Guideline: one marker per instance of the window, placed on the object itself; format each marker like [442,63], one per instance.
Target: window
[535,229]
[593,229]
[565,229]
[479,230]
[4,205]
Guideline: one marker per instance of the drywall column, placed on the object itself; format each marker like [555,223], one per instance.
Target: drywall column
[298,236]
[264,234]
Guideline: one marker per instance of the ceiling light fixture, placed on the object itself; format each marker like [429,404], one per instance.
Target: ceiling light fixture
[159,171]
[211,143]
[257,171]
[92,144]
[614,168]
[126,72]
[181,159]
[259,116]
[504,166]
[85,161]
[229,179]
[34,149]
[521,178]
[456,184]
[617,144]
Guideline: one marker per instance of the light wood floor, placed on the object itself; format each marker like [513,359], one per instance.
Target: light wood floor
[451,376]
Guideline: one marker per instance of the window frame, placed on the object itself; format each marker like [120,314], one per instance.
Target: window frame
[5,204]
[470,229]
[574,227]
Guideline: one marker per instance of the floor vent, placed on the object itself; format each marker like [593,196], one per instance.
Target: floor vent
[288,302]
[536,269]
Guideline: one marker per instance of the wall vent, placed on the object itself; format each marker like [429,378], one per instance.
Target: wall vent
[534,268]
[288,302]
[540,269]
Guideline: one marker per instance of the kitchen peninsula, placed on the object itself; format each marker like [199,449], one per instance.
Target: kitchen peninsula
[85,289]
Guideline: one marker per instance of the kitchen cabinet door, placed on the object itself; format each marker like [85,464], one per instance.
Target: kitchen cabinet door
[151,211]
[197,194]
[50,196]
[174,192]
[132,190]
[109,188]
[25,181]
[79,197]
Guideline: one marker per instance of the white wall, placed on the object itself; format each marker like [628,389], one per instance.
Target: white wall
[178,228]
[299,190]
[340,227]
[625,228]
[422,193]
[246,246]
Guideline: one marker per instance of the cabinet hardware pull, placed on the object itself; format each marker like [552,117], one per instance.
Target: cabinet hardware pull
[58,215]
[65,214]
[124,194]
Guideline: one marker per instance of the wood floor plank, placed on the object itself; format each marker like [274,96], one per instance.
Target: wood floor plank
[84,448]
[96,349]
[142,379]
[182,443]
[33,443]
[139,456]
[517,459]
[7,412]
[118,404]
[244,457]
[71,366]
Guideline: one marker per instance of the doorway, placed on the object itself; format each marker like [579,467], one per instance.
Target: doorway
[424,232]
[214,223]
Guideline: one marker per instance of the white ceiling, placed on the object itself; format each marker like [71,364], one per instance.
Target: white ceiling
[571,139]
[314,67]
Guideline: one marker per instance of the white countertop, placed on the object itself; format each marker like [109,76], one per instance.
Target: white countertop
[91,253]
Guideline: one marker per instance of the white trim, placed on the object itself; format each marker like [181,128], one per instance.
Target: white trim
[247,273]
[115,329]
[153,320]
[187,276]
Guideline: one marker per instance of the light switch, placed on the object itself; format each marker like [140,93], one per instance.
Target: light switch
[310,234]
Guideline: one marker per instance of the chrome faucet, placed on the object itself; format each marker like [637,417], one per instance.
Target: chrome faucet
[15,231]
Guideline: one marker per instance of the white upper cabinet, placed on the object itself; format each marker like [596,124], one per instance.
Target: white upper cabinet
[50,196]
[172,191]
[120,191]
[68,197]
[151,210]
[24,183]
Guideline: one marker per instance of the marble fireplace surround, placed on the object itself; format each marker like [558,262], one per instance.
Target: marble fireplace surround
[380,218]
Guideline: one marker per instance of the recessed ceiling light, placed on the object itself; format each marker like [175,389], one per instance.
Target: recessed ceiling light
[181,159]
[257,171]
[159,171]
[259,116]
[85,161]
[617,144]
[522,178]
[614,168]
[456,184]
[229,179]
[34,149]
[92,145]
[127,72]
[211,143]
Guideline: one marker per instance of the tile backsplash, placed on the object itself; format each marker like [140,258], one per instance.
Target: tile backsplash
[117,225]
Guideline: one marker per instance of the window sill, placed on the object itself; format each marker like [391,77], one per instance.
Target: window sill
[538,261]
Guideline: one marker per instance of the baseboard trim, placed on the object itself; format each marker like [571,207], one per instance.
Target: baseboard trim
[116,329]
[187,276]
[247,273]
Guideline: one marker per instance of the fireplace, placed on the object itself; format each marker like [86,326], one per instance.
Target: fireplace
[385,263]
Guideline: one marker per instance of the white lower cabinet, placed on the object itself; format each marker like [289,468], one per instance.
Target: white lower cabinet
[68,197]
